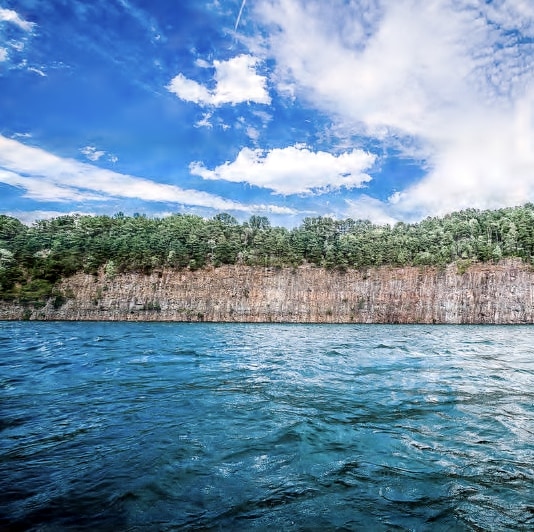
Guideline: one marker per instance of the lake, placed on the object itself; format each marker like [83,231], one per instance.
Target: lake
[173,426]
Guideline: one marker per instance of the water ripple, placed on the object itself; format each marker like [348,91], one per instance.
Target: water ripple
[251,427]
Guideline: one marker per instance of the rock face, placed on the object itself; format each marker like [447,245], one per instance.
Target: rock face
[485,293]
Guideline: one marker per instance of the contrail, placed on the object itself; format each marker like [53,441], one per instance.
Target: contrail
[239,15]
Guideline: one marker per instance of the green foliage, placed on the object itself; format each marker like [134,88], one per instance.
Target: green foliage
[33,259]
[462,266]
[35,291]
[110,269]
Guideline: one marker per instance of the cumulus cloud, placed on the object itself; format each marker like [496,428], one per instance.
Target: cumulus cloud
[236,81]
[452,78]
[293,170]
[399,68]
[490,164]
[47,177]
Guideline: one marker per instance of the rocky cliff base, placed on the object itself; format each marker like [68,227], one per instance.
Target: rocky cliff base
[481,293]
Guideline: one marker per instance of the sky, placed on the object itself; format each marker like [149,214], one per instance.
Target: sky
[387,110]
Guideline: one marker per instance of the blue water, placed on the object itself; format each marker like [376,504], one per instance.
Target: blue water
[135,426]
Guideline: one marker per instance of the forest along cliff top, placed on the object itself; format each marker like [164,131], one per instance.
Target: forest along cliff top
[37,262]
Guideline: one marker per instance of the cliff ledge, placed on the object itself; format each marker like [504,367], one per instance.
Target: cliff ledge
[484,293]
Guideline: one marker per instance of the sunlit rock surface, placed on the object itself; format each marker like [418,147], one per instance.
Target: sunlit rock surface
[482,293]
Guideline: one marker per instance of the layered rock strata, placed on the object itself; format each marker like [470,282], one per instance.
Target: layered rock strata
[484,293]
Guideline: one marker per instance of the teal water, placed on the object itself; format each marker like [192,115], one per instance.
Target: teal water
[135,426]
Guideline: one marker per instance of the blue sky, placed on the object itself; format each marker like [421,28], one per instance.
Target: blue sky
[385,110]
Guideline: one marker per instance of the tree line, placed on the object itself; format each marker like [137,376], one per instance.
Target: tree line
[34,258]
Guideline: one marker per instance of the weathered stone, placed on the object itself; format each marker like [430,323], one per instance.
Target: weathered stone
[484,293]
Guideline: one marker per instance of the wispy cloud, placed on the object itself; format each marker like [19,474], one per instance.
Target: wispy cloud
[236,82]
[9,15]
[293,170]
[47,177]
[147,22]
[205,121]
[239,14]
[453,78]
[29,217]
[92,153]
[37,71]
[368,208]
[12,43]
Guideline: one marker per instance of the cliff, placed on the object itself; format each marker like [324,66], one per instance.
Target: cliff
[484,293]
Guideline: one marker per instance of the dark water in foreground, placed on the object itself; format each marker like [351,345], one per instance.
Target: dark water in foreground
[125,426]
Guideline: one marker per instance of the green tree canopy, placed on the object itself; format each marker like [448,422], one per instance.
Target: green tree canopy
[34,258]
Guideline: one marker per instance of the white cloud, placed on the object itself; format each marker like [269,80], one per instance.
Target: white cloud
[293,170]
[367,208]
[512,15]
[252,133]
[490,164]
[29,217]
[452,78]
[202,63]
[46,177]
[37,71]
[10,48]
[205,121]
[41,189]
[8,15]
[236,82]
[92,153]
[239,14]
[189,90]
[388,79]
[16,45]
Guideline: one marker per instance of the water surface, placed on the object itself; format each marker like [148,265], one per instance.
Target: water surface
[136,426]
